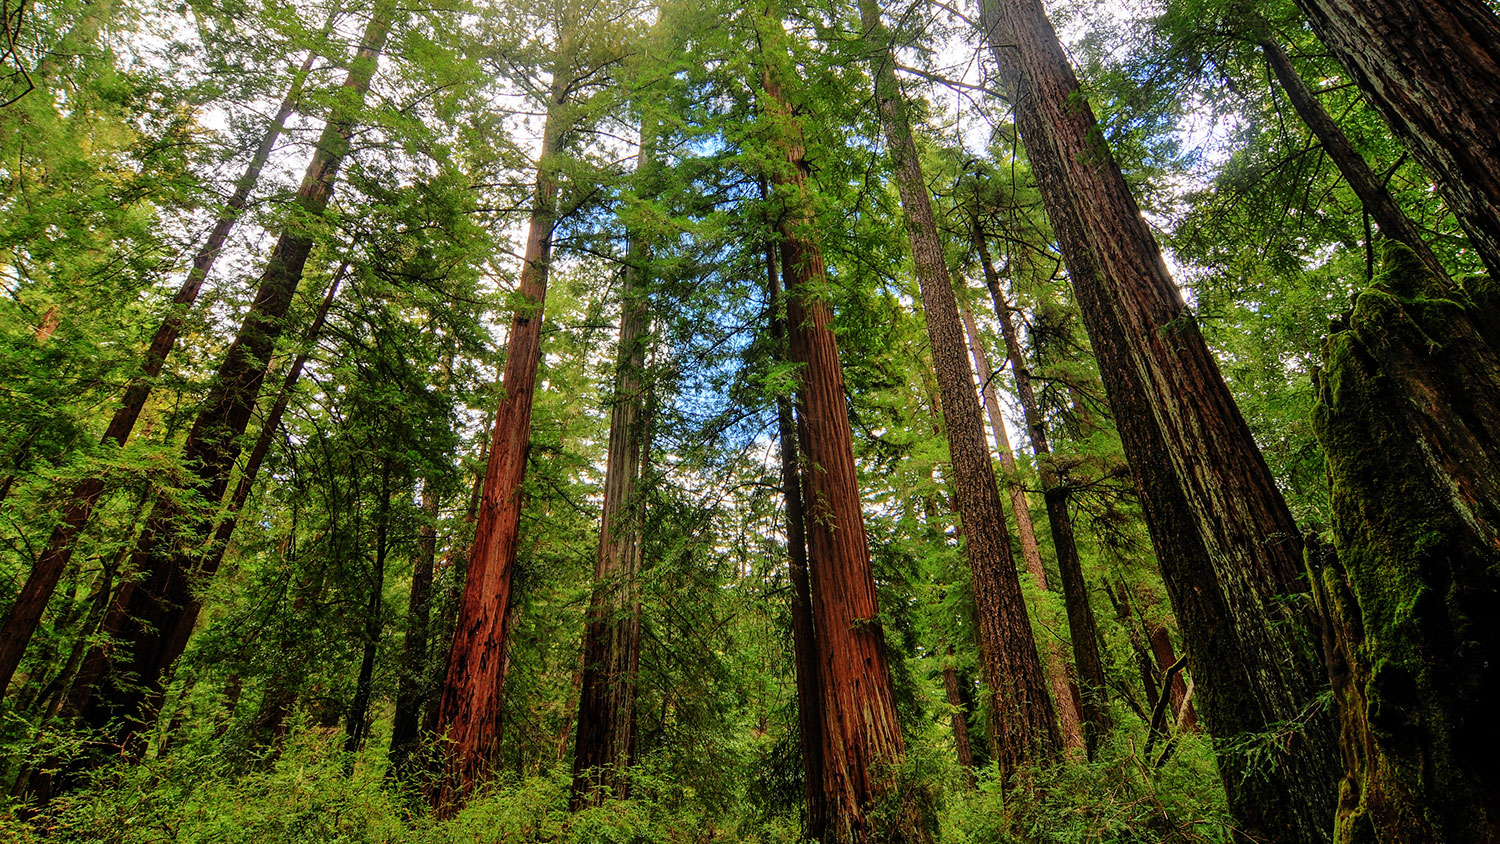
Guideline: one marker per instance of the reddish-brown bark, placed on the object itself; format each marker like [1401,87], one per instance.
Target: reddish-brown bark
[78,506]
[861,736]
[1229,550]
[469,712]
[1084,631]
[1022,725]
[1432,67]
[804,636]
[1068,714]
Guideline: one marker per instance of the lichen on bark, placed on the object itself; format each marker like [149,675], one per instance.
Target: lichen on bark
[1408,413]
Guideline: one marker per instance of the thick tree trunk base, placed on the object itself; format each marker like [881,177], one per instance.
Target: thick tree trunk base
[1409,414]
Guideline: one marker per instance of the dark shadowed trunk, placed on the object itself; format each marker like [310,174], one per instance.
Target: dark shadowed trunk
[1022,725]
[1229,550]
[155,615]
[960,719]
[356,720]
[1408,415]
[473,687]
[1371,190]
[1084,631]
[78,505]
[861,736]
[412,686]
[1052,650]
[1432,67]
[605,744]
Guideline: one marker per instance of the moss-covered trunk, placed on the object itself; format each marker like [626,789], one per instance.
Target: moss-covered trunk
[1409,414]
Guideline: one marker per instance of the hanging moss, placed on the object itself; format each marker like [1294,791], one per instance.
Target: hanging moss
[1409,416]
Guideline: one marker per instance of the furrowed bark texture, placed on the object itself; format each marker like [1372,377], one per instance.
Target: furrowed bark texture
[1409,416]
[1052,650]
[412,687]
[1022,724]
[1372,193]
[605,744]
[469,714]
[860,733]
[156,614]
[1432,67]
[1081,625]
[41,581]
[804,641]
[1228,548]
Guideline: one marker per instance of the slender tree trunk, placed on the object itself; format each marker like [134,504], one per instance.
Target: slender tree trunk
[1408,415]
[474,685]
[1056,665]
[1372,193]
[1081,624]
[1432,67]
[804,641]
[269,426]
[860,733]
[1229,550]
[960,720]
[1022,721]
[1166,657]
[605,744]
[26,612]
[356,721]
[412,687]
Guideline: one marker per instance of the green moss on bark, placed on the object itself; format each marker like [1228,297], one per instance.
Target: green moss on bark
[1409,416]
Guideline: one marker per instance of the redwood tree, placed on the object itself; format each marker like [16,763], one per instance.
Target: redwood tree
[861,736]
[605,743]
[1229,550]
[1432,67]
[155,615]
[468,714]
[1081,625]
[1021,716]
[78,505]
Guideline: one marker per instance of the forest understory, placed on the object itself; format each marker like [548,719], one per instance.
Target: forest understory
[906,422]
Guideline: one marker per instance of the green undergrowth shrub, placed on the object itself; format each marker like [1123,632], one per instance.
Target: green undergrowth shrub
[1120,798]
[311,794]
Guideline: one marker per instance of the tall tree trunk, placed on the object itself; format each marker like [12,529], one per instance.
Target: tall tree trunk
[269,426]
[156,614]
[1057,671]
[1408,415]
[804,637]
[1022,721]
[605,744]
[1084,631]
[475,681]
[412,687]
[1372,193]
[356,720]
[1229,550]
[41,581]
[860,733]
[1432,67]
